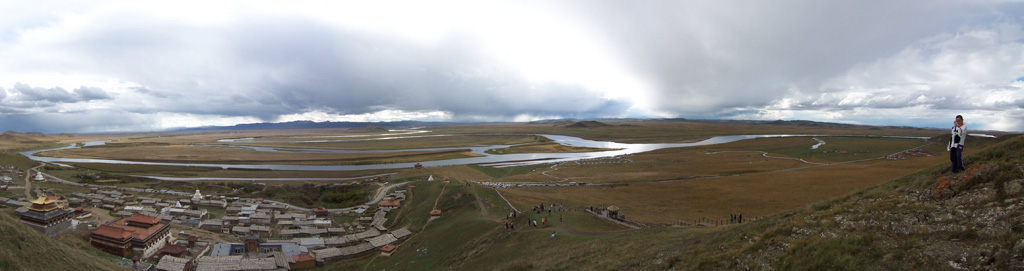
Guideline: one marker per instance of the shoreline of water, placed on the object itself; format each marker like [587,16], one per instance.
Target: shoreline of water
[616,149]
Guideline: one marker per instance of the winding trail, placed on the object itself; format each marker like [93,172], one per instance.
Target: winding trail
[765,154]
[380,193]
[439,195]
[506,200]
[553,168]
[28,181]
[480,203]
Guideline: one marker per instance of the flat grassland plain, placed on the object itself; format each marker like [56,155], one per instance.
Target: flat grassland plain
[755,177]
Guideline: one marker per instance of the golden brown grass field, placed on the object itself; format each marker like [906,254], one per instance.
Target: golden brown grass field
[754,177]
[752,194]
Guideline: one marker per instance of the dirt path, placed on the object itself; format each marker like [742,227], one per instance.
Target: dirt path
[483,208]
[506,200]
[480,203]
[28,182]
[439,195]
[765,154]
[553,168]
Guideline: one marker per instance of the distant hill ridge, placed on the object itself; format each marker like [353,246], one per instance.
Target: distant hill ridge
[587,124]
[369,129]
[567,123]
[316,125]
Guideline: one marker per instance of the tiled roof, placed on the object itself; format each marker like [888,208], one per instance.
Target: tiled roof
[171,263]
[139,233]
[389,203]
[112,232]
[305,257]
[234,263]
[143,219]
[172,249]
[401,233]
[382,240]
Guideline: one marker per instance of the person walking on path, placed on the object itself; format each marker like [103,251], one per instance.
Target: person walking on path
[956,144]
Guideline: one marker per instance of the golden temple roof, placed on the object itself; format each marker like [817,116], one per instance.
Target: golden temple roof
[44,200]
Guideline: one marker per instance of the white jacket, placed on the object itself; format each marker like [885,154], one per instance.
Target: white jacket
[959,134]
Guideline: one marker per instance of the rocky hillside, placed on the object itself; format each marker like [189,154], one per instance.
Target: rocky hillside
[932,220]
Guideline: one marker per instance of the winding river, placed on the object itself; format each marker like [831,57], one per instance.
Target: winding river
[497,160]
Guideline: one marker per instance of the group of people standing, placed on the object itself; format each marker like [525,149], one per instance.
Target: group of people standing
[735,219]
[511,219]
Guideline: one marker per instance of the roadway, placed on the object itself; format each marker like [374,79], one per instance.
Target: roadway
[381,192]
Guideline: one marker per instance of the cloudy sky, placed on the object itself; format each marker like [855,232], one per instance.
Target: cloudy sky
[94,66]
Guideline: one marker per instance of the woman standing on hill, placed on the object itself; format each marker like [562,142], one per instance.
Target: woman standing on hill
[956,144]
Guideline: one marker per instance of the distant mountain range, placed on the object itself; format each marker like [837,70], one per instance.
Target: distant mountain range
[576,123]
[316,125]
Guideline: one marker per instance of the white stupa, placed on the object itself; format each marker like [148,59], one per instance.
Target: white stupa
[197,196]
[431,178]
[39,177]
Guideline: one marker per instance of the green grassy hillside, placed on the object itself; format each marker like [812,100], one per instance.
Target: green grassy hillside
[930,220]
[22,248]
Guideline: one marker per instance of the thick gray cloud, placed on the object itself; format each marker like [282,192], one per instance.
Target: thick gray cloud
[821,60]
[694,51]
[23,98]
[271,67]
[26,93]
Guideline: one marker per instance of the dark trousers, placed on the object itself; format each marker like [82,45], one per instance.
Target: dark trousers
[956,157]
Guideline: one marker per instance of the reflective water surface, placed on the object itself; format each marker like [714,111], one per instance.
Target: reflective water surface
[485,159]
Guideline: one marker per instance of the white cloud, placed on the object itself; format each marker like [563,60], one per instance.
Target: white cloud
[972,72]
[196,63]
[388,115]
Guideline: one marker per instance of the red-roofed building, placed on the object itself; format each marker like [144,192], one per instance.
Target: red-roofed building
[113,240]
[172,250]
[138,220]
[304,260]
[386,250]
[388,204]
[139,234]
[320,212]
[46,215]
[435,212]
